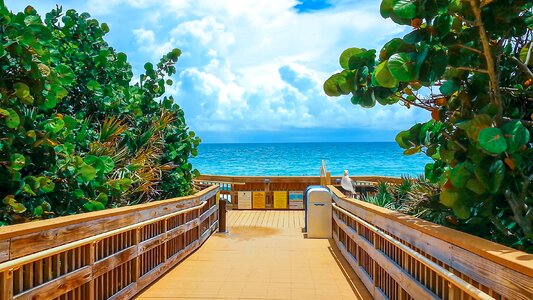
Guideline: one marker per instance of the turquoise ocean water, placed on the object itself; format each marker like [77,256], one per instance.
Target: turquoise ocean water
[284,159]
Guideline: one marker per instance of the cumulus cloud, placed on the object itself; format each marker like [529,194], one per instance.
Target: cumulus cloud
[256,65]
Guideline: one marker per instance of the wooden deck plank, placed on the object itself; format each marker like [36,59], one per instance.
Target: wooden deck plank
[257,216]
[269,218]
[261,262]
[262,220]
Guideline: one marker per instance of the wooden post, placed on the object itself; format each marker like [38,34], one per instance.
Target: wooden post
[90,259]
[222,216]
[6,285]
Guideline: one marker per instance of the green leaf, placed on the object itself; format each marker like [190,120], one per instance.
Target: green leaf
[344,59]
[70,122]
[516,135]
[148,66]
[18,208]
[104,27]
[93,206]
[121,184]
[13,120]
[474,126]
[102,198]
[346,82]
[55,125]
[18,161]
[51,101]
[448,198]
[46,206]
[22,91]
[93,85]
[413,150]
[38,211]
[403,139]
[449,87]
[4,113]
[86,172]
[15,206]
[475,186]
[460,174]
[107,164]
[462,211]
[330,86]
[492,140]
[367,99]
[78,193]
[492,178]
[385,9]
[46,184]
[175,53]
[402,67]
[404,8]
[497,172]
[102,164]
[383,76]
[65,74]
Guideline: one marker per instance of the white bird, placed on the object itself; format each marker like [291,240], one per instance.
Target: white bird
[346,183]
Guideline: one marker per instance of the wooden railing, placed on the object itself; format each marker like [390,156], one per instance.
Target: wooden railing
[231,185]
[402,257]
[110,254]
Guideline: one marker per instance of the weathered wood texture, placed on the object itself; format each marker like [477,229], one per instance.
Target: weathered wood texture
[108,254]
[402,257]
[231,185]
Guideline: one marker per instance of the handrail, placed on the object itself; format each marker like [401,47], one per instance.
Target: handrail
[460,283]
[15,230]
[112,257]
[10,265]
[489,250]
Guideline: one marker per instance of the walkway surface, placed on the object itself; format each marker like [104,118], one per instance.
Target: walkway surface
[264,256]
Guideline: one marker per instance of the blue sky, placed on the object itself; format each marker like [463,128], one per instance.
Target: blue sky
[252,71]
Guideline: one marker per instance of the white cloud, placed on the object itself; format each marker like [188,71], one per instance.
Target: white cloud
[255,65]
[258,65]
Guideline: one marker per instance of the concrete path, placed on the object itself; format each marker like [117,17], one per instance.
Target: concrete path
[264,256]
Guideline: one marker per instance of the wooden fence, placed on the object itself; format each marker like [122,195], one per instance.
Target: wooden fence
[230,186]
[402,257]
[110,254]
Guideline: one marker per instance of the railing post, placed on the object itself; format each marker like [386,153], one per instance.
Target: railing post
[6,285]
[222,216]
[90,261]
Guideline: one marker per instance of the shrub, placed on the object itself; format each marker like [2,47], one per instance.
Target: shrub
[470,64]
[75,134]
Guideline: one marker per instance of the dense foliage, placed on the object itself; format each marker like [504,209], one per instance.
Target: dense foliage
[75,133]
[468,63]
[416,197]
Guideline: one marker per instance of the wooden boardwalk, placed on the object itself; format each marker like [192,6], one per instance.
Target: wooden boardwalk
[264,256]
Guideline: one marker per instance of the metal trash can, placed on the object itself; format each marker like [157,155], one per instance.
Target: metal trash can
[318,212]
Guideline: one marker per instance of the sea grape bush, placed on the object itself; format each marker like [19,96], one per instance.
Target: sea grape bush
[470,64]
[75,134]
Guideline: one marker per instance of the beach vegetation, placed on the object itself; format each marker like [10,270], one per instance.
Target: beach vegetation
[78,132]
[469,64]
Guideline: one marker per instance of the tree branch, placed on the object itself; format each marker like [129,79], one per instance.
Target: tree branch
[522,66]
[491,68]
[473,70]
[428,108]
[469,48]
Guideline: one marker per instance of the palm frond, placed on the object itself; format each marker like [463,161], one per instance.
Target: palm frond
[111,128]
